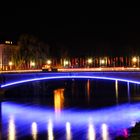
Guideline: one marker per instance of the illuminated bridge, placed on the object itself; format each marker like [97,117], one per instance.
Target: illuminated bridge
[11,79]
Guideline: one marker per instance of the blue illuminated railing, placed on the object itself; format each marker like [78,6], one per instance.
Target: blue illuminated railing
[14,79]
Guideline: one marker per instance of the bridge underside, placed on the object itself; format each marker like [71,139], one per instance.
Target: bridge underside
[8,80]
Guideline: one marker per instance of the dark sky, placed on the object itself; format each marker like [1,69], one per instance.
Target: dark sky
[81,27]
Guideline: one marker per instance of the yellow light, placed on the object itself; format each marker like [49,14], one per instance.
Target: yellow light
[8,42]
[134,59]
[10,63]
[49,62]
[102,61]
[32,63]
[58,100]
[66,62]
[89,61]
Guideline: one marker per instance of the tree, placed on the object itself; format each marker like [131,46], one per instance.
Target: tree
[30,49]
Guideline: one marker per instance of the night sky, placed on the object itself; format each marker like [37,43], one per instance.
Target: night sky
[100,29]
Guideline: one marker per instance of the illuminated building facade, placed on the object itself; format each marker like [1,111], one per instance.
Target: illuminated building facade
[6,51]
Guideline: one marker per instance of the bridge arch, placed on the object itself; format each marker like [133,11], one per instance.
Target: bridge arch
[16,82]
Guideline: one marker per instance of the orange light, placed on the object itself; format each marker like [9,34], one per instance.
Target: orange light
[58,100]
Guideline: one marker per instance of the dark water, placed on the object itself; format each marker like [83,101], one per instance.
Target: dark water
[69,110]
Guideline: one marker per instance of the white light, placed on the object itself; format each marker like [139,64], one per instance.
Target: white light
[34,130]
[50,130]
[11,129]
[68,131]
[102,61]
[105,135]
[89,60]
[91,132]
[66,62]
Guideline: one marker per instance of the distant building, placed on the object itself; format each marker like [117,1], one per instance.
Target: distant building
[6,51]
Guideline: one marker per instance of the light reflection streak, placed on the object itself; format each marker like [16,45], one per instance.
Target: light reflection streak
[116,91]
[127,113]
[58,100]
[11,129]
[50,130]
[128,91]
[91,132]
[88,90]
[105,134]
[125,133]
[68,131]
[34,131]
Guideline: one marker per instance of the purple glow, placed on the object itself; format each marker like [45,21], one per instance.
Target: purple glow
[129,113]
[93,123]
[68,77]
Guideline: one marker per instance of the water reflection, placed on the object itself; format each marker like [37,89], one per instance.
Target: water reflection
[58,100]
[125,133]
[88,90]
[105,135]
[68,131]
[0,121]
[129,113]
[50,130]
[11,129]
[34,130]
[91,132]
[116,91]
[128,91]
[73,122]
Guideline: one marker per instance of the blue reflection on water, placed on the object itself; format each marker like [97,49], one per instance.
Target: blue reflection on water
[102,122]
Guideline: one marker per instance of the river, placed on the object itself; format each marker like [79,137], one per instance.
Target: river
[69,110]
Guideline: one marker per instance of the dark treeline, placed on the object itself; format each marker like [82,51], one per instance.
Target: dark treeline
[29,49]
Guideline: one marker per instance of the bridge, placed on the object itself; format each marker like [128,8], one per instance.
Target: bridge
[11,79]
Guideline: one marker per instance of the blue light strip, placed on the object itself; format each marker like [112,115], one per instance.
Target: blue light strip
[66,77]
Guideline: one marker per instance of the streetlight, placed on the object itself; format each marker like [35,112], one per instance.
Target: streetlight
[89,61]
[32,64]
[49,62]
[103,62]
[10,64]
[135,61]
[66,62]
